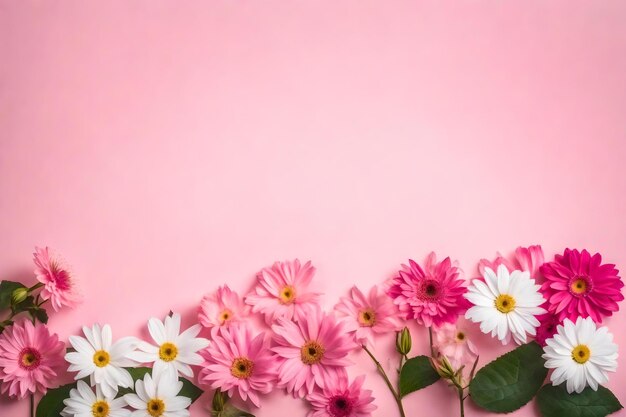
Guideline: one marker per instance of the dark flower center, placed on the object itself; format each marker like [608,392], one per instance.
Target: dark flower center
[340,406]
[429,289]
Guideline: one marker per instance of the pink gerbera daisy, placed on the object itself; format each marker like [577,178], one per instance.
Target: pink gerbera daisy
[453,342]
[222,308]
[527,259]
[237,362]
[311,352]
[579,285]
[433,295]
[30,358]
[58,286]
[366,316]
[342,400]
[281,291]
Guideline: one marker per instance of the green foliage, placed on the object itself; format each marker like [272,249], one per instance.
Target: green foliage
[556,402]
[417,373]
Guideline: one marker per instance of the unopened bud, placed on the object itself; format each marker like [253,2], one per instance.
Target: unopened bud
[403,342]
[443,367]
[219,401]
[19,295]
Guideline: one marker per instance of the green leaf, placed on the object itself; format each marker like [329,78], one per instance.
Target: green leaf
[232,411]
[6,292]
[27,304]
[510,381]
[417,373]
[51,404]
[556,402]
[189,389]
[39,313]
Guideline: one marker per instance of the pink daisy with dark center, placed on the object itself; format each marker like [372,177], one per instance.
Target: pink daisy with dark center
[580,285]
[342,400]
[433,295]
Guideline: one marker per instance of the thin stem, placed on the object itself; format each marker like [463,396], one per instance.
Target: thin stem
[382,372]
[34,287]
[461,402]
[430,338]
[32,405]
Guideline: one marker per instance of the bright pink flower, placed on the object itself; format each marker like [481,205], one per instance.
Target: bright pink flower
[366,316]
[222,308]
[579,285]
[433,295]
[311,352]
[57,280]
[239,363]
[342,400]
[30,358]
[547,327]
[527,259]
[281,291]
[453,342]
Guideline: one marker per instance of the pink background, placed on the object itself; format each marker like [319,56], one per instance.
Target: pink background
[166,148]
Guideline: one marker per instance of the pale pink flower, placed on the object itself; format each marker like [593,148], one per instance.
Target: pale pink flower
[222,308]
[367,316]
[342,400]
[282,291]
[524,259]
[239,363]
[433,295]
[30,358]
[452,341]
[58,284]
[312,352]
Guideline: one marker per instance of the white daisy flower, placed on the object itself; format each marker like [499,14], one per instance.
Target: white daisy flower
[174,350]
[580,354]
[505,304]
[158,396]
[83,402]
[102,360]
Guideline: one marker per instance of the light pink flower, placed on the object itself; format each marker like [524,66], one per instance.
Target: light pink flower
[433,295]
[579,285]
[367,316]
[281,291]
[524,259]
[58,284]
[311,352]
[342,400]
[30,358]
[222,308]
[237,362]
[453,342]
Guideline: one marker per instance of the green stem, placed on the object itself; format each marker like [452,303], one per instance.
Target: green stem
[430,338]
[32,405]
[382,372]
[34,287]
[461,401]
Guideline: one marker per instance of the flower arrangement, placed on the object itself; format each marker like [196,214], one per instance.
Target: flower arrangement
[550,313]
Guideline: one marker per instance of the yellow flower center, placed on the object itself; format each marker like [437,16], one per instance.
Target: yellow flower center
[241,368]
[367,318]
[287,295]
[505,303]
[100,409]
[101,358]
[312,353]
[168,352]
[156,407]
[225,316]
[581,354]
[579,286]
[29,358]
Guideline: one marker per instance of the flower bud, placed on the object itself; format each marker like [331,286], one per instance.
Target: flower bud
[19,295]
[443,367]
[403,342]
[219,401]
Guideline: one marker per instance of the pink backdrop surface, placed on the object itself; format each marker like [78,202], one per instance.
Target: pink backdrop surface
[168,147]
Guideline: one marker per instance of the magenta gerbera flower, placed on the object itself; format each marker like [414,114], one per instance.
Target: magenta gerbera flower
[312,352]
[282,291]
[433,295]
[367,316]
[224,307]
[239,363]
[56,278]
[579,285]
[30,358]
[342,400]
[548,324]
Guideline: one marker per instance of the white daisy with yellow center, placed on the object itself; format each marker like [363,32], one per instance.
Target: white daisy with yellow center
[505,304]
[174,351]
[156,395]
[84,402]
[102,360]
[580,355]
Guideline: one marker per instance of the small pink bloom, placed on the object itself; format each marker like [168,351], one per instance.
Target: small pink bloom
[311,352]
[453,342]
[58,284]
[527,259]
[222,308]
[367,316]
[579,285]
[30,358]
[239,363]
[342,400]
[547,327]
[433,295]
[282,291]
